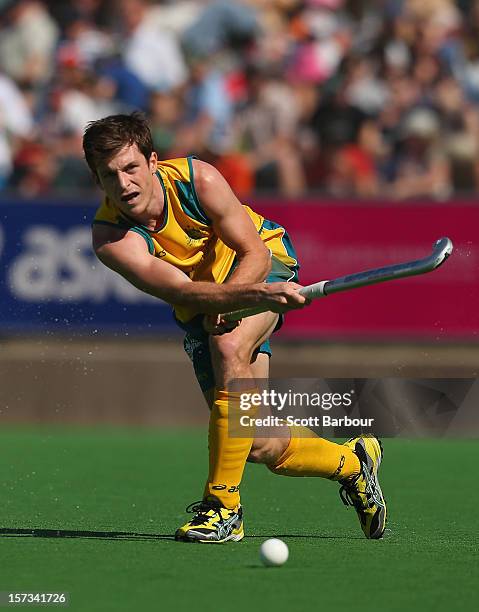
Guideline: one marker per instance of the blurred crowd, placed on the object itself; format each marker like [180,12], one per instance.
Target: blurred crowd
[349,98]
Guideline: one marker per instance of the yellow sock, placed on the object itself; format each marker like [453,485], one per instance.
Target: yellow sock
[313,456]
[227,454]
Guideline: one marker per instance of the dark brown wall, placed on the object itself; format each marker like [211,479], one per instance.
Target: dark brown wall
[151,383]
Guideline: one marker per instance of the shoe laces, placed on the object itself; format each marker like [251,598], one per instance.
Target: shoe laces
[351,495]
[201,510]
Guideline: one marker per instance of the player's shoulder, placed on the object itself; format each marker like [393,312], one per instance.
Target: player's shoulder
[112,243]
[177,169]
[189,169]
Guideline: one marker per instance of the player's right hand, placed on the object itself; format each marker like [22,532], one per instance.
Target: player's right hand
[282,297]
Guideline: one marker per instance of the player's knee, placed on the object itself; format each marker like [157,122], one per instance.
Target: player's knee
[230,348]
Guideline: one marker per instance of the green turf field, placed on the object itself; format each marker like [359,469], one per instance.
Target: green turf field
[112,499]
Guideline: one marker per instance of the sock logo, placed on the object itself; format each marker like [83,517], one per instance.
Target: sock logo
[222,487]
[342,461]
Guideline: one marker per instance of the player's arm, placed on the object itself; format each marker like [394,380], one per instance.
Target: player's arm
[232,224]
[126,252]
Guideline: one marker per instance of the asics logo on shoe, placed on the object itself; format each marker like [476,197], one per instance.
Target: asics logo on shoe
[223,529]
[373,491]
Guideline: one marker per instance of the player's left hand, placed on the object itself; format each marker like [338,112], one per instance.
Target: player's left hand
[216,325]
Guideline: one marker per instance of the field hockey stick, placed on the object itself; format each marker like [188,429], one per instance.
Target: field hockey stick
[441,251]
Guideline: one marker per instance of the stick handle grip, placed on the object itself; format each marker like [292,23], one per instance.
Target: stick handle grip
[310,291]
[314,291]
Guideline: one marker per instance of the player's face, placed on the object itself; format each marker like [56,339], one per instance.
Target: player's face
[128,179]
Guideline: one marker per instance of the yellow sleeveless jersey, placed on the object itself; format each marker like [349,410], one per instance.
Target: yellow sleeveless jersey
[186,238]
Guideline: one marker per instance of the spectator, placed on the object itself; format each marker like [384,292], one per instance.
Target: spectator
[16,125]
[420,168]
[28,37]
[327,40]
[223,23]
[462,151]
[150,51]
[353,98]
[356,167]
[208,108]
[166,113]
[266,126]
[83,97]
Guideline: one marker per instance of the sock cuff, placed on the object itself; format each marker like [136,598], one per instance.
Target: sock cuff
[224,395]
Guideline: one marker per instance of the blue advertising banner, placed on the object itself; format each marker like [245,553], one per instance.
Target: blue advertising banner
[52,283]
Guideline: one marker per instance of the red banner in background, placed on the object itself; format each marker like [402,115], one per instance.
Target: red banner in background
[334,239]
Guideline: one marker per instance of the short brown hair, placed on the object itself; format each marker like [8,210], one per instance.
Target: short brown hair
[106,137]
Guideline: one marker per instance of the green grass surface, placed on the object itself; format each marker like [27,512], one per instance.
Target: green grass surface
[138,482]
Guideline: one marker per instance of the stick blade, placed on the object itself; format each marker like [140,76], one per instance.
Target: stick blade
[442,249]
